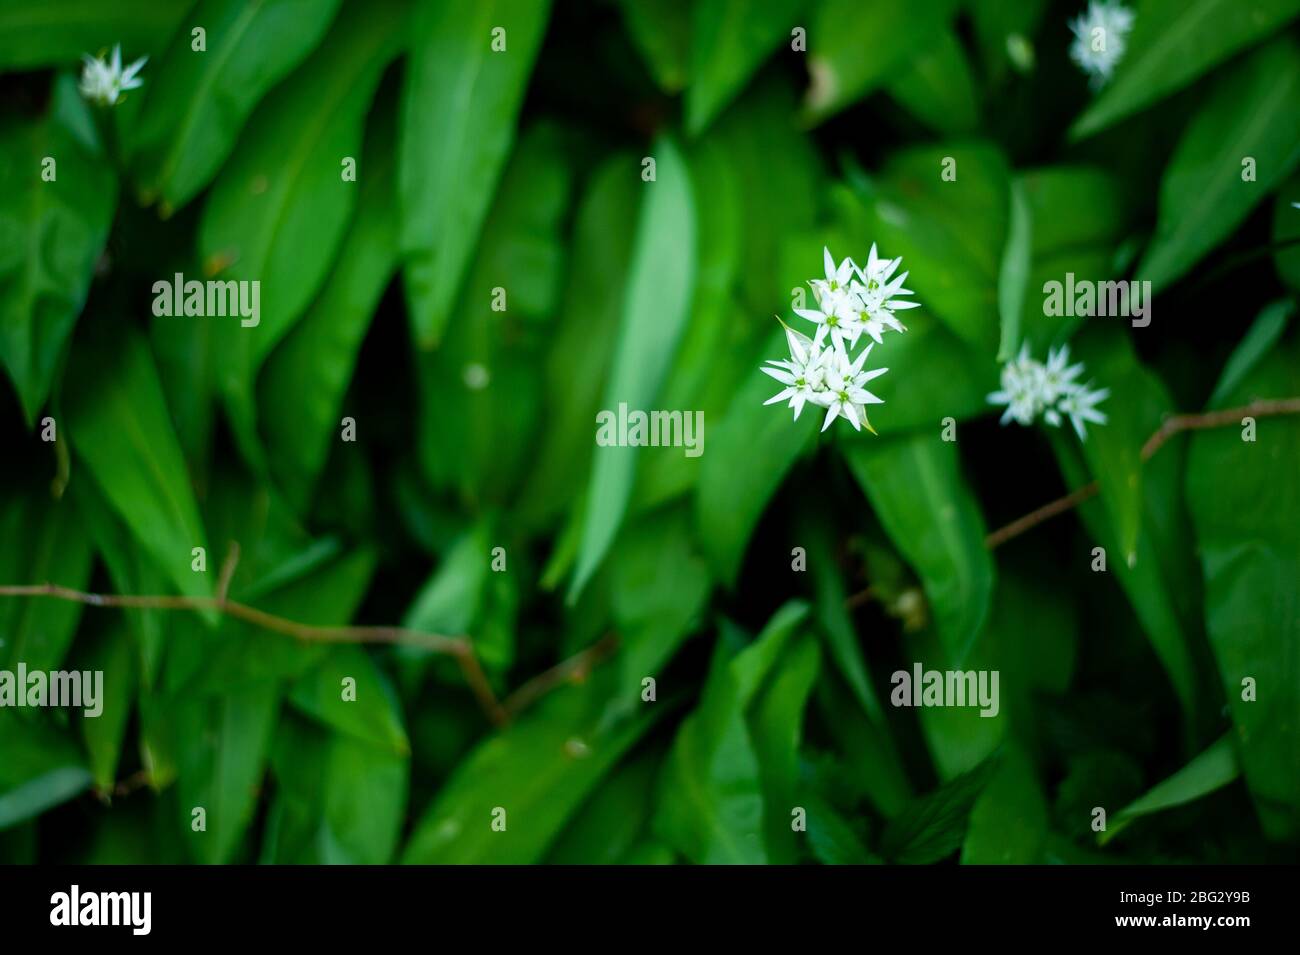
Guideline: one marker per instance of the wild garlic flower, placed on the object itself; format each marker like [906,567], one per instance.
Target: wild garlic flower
[1031,388]
[1100,39]
[851,302]
[105,82]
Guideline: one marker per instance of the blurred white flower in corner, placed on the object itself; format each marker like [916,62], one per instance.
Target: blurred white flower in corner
[104,82]
[1031,388]
[1100,38]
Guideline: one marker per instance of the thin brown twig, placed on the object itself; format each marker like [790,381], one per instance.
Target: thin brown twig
[573,670]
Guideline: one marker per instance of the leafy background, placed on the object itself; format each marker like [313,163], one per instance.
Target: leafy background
[522,170]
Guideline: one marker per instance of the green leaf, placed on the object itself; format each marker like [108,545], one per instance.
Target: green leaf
[853,49]
[933,826]
[1258,342]
[111,654]
[41,769]
[366,708]
[915,485]
[1286,230]
[338,800]
[540,770]
[710,792]
[280,208]
[1203,193]
[119,428]
[305,379]
[661,32]
[1244,505]
[1013,275]
[459,107]
[195,102]
[729,41]
[938,86]
[51,236]
[1009,822]
[1213,769]
[1175,41]
[45,33]
[747,458]
[655,312]
[612,821]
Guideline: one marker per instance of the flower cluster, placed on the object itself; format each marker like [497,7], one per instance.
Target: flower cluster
[1030,388]
[852,302]
[1100,38]
[105,82]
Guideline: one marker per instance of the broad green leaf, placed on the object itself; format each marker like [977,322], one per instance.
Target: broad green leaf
[1244,505]
[111,654]
[710,805]
[854,48]
[938,87]
[1175,41]
[51,235]
[41,768]
[41,541]
[223,743]
[1008,823]
[365,708]
[459,107]
[583,339]
[196,101]
[661,32]
[1013,274]
[1227,160]
[118,425]
[540,771]
[338,800]
[1213,769]
[280,208]
[729,41]
[776,726]
[831,839]
[655,311]
[1262,337]
[747,457]
[43,33]
[915,486]
[1004,33]
[302,387]
[933,826]
[614,818]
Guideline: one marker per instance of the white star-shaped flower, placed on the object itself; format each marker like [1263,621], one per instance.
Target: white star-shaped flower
[803,374]
[1100,39]
[845,395]
[105,82]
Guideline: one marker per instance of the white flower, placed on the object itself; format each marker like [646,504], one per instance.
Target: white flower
[804,374]
[1030,388]
[104,83]
[1100,38]
[845,395]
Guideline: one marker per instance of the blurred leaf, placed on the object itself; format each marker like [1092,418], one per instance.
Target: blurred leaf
[1258,342]
[1008,823]
[452,149]
[1286,229]
[41,541]
[118,424]
[51,236]
[710,805]
[938,87]
[854,48]
[655,312]
[1245,511]
[608,826]
[110,654]
[729,41]
[41,33]
[915,486]
[41,768]
[831,839]
[540,770]
[197,101]
[1175,41]
[1203,197]
[933,826]
[1211,770]
[1002,29]
[306,377]
[661,32]
[280,208]
[748,457]
[371,715]
[1013,275]
[338,800]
